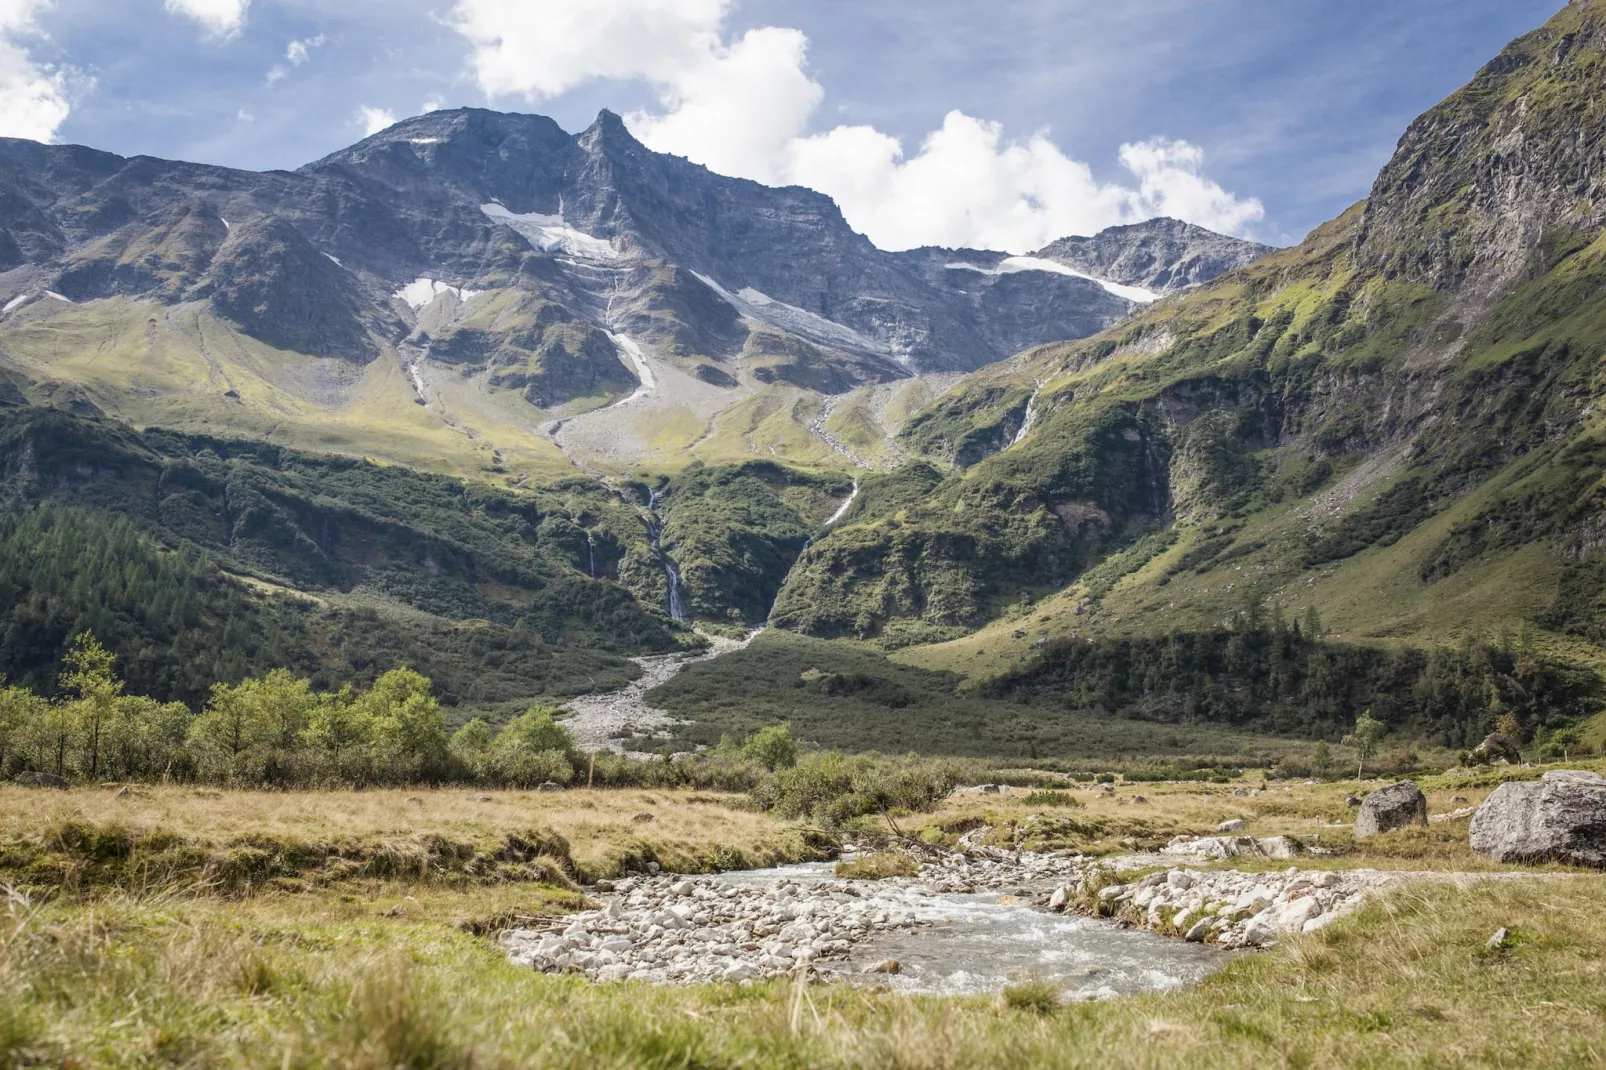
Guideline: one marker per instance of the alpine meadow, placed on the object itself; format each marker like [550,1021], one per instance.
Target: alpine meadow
[496,596]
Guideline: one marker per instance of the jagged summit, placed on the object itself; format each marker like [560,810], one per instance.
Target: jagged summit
[579,284]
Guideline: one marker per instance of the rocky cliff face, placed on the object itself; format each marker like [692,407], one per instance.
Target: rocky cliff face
[353,253]
[1507,177]
[1161,255]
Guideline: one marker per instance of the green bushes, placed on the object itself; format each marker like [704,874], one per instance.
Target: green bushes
[832,789]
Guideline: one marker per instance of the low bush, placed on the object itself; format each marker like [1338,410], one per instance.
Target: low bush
[878,866]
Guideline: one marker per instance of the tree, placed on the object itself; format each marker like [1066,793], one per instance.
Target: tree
[88,678]
[532,749]
[22,716]
[1321,758]
[339,731]
[1365,739]
[409,729]
[773,747]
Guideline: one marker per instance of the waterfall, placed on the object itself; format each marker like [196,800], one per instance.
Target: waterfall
[677,603]
[591,557]
[842,510]
[1031,414]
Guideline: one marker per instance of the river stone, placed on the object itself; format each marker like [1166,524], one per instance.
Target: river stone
[1392,807]
[1280,847]
[1556,820]
[39,780]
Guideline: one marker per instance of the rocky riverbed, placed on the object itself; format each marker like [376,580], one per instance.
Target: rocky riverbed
[970,921]
[597,721]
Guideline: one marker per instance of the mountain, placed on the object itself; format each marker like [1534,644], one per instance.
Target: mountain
[1160,255]
[1391,432]
[488,295]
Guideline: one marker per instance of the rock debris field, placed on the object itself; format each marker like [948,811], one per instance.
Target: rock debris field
[668,929]
[596,720]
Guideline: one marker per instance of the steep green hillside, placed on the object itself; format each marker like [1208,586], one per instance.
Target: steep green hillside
[1393,424]
[402,567]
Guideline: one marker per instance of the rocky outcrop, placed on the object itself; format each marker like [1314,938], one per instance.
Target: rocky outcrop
[1505,176]
[1161,255]
[1561,818]
[1395,806]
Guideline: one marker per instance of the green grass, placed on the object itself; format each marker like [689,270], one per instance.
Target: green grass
[316,981]
[847,695]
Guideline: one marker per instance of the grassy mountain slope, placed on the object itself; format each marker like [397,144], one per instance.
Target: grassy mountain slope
[438,573]
[1392,423]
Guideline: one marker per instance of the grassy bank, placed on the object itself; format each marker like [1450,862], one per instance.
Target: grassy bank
[160,838]
[284,981]
[356,962]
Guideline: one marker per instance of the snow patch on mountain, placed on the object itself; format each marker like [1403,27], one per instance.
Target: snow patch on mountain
[423,290]
[638,360]
[1011,265]
[550,233]
[15,302]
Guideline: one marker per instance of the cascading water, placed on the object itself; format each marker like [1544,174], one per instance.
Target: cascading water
[677,604]
[1031,414]
[591,557]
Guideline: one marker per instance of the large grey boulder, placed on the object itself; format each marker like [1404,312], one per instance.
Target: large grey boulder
[38,780]
[1575,776]
[1552,820]
[1392,807]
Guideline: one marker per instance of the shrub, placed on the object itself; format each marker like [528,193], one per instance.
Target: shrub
[1051,798]
[879,866]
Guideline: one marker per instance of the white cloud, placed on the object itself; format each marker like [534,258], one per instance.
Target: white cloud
[222,18]
[33,96]
[298,52]
[244,116]
[744,107]
[376,119]
[431,104]
[277,73]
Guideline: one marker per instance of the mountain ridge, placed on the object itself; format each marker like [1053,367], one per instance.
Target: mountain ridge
[518,282]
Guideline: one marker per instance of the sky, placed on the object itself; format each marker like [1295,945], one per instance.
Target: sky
[1002,125]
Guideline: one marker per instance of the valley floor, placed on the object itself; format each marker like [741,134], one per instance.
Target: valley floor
[136,934]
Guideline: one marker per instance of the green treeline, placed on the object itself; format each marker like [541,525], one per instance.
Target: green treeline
[277,731]
[177,623]
[1272,677]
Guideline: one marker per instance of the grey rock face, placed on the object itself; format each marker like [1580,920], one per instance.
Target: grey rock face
[1555,820]
[1163,255]
[309,260]
[1575,776]
[1392,807]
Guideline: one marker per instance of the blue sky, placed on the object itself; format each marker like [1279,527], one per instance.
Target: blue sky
[1264,118]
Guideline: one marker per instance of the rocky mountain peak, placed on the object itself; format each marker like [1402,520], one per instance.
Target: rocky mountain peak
[1507,174]
[1162,255]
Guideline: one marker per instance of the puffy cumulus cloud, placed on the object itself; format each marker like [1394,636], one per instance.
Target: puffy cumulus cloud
[224,18]
[540,48]
[743,107]
[33,96]
[374,120]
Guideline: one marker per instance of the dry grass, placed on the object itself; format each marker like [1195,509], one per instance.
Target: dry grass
[400,973]
[689,831]
[1147,816]
[272,982]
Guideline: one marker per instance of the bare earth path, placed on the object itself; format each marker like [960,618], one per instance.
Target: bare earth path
[594,719]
